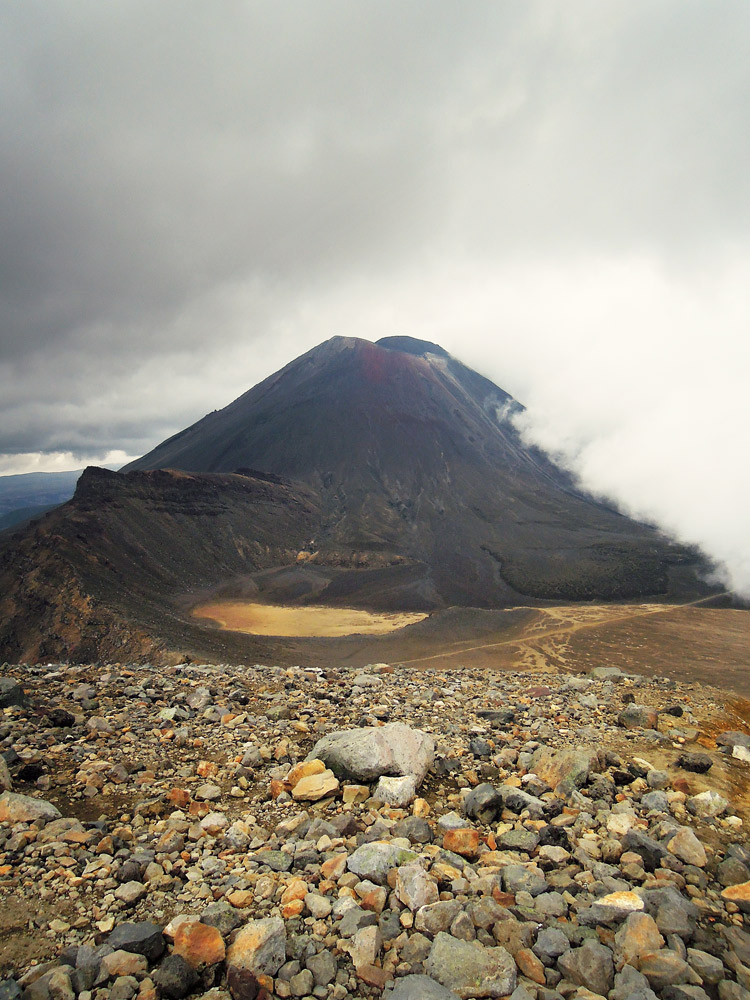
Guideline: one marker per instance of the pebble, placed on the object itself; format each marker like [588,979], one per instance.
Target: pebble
[255,832]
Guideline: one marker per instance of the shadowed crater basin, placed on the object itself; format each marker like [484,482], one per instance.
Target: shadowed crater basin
[309,621]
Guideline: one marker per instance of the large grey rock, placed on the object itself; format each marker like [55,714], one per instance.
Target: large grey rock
[418,988]
[611,909]
[550,944]
[650,850]
[175,977]
[638,936]
[483,803]
[699,763]
[499,716]
[655,801]
[524,878]
[222,916]
[323,967]
[354,919]
[6,783]
[366,754]
[376,859]
[605,674]
[11,693]
[739,942]
[140,938]
[707,805]
[664,968]
[638,717]
[414,887]
[590,966]
[416,829]
[59,984]
[518,800]
[709,967]
[729,990]
[469,969]
[554,767]
[631,985]
[686,846]
[732,738]
[365,946]
[9,990]
[396,791]
[16,808]
[684,991]
[436,917]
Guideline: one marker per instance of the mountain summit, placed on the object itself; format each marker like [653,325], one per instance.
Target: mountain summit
[416,460]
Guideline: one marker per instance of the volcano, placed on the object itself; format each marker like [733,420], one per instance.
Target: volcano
[416,457]
[386,476]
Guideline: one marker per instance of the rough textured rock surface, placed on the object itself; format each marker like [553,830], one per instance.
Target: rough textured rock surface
[366,754]
[183,866]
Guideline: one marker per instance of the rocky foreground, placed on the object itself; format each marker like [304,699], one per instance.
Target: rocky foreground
[257,832]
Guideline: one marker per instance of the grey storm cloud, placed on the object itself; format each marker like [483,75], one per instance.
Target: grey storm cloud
[557,191]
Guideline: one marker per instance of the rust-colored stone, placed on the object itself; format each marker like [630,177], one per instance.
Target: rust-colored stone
[464,842]
[241,898]
[530,965]
[334,867]
[303,770]
[199,944]
[374,976]
[296,889]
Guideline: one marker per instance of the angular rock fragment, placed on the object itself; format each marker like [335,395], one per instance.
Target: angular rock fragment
[590,966]
[707,805]
[638,717]
[260,947]
[11,693]
[396,791]
[470,970]
[418,987]
[699,763]
[142,938]
[555,767]
[483,803]
[376,859]
[314,787]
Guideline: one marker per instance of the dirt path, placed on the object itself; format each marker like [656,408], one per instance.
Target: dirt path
[570,620]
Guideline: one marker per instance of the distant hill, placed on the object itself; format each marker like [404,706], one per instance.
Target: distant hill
[32,494]
[36,488]
[386,476]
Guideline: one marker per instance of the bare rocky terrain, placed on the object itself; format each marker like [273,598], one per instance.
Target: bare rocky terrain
[207,830]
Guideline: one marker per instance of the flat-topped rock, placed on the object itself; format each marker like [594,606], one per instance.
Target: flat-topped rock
[15,808]
[366,754]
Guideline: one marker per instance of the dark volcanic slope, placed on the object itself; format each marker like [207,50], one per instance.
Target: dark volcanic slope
[99,577]
[386,476]
[414,454]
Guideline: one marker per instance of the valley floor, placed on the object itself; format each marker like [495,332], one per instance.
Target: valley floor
[687,642]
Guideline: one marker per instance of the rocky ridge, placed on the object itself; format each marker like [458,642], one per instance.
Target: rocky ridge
[264,832]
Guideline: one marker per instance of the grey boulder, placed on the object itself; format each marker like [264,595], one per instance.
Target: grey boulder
[368,753]
[419,988]
[11,693]
[469,969]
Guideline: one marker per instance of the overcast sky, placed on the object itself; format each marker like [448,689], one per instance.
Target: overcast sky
[557,191]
